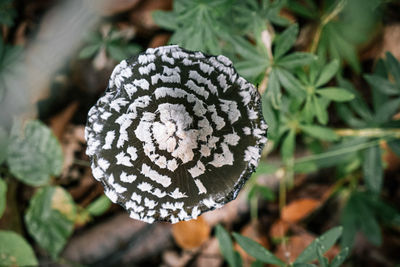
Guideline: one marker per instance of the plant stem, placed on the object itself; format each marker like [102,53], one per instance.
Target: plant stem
[369,132]
[324,20]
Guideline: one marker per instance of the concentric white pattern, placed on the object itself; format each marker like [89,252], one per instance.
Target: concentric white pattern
[176,133]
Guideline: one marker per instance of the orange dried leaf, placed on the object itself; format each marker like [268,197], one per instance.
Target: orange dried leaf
[299,209]
[278,229]
[191,234]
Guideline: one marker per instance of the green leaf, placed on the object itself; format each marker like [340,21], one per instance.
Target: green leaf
[395,146]
[296,59]
[340,258]
[89,51]
[320,132]
[336,94]
[327,73]
[225,245]
[3,196]
[165,19]
[7,13]
[393,66]
[273,89]
[257,251]
[50,218]
[287,149]
[99,206]
[382,84]
[3,144]
[291,84]
[320,111]
[326,241]
[386,111]
[372,169]
[37,155]
[266,168]
[286,40]
[15,251]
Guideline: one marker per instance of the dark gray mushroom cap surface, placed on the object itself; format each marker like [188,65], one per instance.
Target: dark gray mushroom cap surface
[177,133]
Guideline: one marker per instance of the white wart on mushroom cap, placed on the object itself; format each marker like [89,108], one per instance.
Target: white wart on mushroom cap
[177,133]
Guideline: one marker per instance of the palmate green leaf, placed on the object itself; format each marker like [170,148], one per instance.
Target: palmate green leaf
[326,241]
[288,144]
[395,146]
[89,51]
[36,155]
[358,215]
[285,40]
[381,84]
[7,12]
[295,59]
[385,112]
[327,73]
[336,94]
[50,218]
[320,132]
[273,89]
[320,110]
[3,196]
[257,251]
[290,83]
[165,19]
[15,250]
[226,246]
[372,169]
[394,67]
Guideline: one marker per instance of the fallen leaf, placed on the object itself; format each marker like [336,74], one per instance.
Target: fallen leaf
[58,122]
[159,40]
[299,209]
[289,250]
[112,7]
[191,234]
[278,229]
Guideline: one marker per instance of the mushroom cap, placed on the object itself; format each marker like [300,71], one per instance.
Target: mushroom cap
[176,133]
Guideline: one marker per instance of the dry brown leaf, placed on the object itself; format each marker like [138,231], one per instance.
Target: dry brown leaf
[278,229]
[60,121]
[142,15]
[159,40]
[252,231]
[191,234]
[299,209]
[391,159]
[290,250]
[112,7]
[209,255]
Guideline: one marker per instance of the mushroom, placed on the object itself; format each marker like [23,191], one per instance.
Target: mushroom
[177,133]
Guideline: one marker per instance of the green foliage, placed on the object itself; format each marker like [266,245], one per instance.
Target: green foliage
[7,13]
[50,218]
[3,145]
[314,251]
[3,196]
[99,206]
[324,242]
[300,90]
[34,155]
[113,42]
[226,247]
[15,251]
[257,251]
